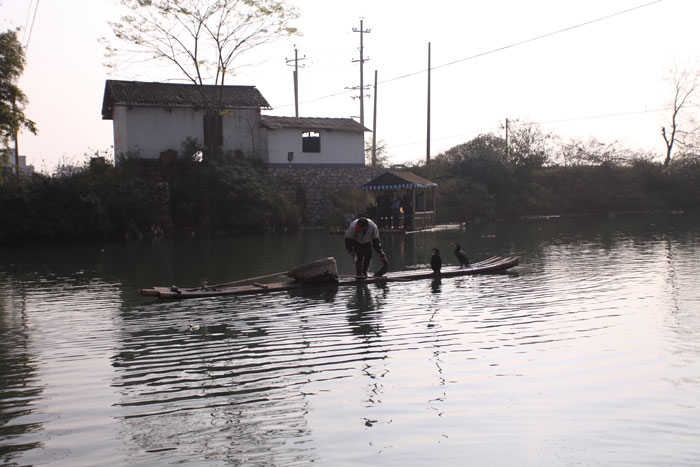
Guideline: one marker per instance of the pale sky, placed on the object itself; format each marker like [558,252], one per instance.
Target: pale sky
[605,79]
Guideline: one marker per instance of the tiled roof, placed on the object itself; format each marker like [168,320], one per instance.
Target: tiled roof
[309,123]
[136,93]
[397,180]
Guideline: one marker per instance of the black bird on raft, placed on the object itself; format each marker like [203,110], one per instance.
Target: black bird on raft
[461,255]
[436,261]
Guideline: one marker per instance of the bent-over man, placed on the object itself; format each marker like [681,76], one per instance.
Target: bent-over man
[363,235]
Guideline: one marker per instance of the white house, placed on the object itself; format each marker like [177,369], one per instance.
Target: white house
[314,141]
[152,118]
[7,165]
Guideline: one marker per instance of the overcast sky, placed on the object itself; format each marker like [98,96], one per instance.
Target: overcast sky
[602,79]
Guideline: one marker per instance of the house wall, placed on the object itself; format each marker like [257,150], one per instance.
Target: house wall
[7,164]
[119,129]
[338,147]
[148,131]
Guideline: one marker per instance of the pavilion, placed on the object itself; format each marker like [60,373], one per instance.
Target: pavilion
[412,217]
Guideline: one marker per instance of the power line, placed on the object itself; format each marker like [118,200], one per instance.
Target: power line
[26,21]
[593,117]
[544,122]
[532,39]
[499,49]
[31,28]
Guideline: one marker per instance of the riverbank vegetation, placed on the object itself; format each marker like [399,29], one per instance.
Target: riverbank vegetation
[484,179]
[536,174]
[134,201]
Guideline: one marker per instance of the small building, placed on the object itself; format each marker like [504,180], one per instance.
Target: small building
[414,211]
[152,118]
[314,141]
[7,165]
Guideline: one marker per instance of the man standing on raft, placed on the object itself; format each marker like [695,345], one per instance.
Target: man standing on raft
[363,235]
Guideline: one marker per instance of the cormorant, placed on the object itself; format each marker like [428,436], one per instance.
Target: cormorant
[436,261]
[461,256]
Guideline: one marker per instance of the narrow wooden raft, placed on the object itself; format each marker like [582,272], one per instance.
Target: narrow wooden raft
[490,265]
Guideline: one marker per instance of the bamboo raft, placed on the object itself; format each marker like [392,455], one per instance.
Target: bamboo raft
[493,264]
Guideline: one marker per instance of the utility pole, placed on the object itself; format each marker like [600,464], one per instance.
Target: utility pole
[374,124]
[362,60]
[296,78]
[427,146]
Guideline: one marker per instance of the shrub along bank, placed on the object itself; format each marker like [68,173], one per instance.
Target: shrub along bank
[134,201]
[479,180]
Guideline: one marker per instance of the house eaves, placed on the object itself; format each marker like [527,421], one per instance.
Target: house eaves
[311,123]
[175,95]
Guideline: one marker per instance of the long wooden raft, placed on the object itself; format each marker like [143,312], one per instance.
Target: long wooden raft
[493,264]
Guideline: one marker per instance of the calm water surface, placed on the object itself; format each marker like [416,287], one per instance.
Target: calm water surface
[588,353]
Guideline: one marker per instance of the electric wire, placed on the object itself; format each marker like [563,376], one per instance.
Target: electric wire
[533,123]
[31,28]
[525,41]
[26,21]
[501,49]
[492,51]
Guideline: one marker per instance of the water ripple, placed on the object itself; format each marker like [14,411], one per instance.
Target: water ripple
[587,354]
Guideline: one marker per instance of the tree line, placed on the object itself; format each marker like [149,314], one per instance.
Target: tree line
[534,174]
[484,179]
[136,200]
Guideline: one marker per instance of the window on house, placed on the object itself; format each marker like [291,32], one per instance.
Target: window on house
[213,130]
[311,141]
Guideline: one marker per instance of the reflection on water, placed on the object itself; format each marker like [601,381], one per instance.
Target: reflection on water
[436,285]
[20,390]
[219,389]
[364,316]
[588,353]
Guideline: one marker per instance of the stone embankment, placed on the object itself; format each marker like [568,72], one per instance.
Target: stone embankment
[310,186]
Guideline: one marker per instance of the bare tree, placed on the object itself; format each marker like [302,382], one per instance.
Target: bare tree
[201,39]
[593,152]
[681,130]
[381,156]
[527,144]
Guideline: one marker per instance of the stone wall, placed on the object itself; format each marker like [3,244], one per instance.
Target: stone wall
[309,186]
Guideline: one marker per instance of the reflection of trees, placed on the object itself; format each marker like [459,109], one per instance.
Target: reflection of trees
[223,392]
[683,319]
[238,390]
[672,274]
[18,374]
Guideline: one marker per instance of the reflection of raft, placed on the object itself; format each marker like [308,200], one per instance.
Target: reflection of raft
[490,265]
